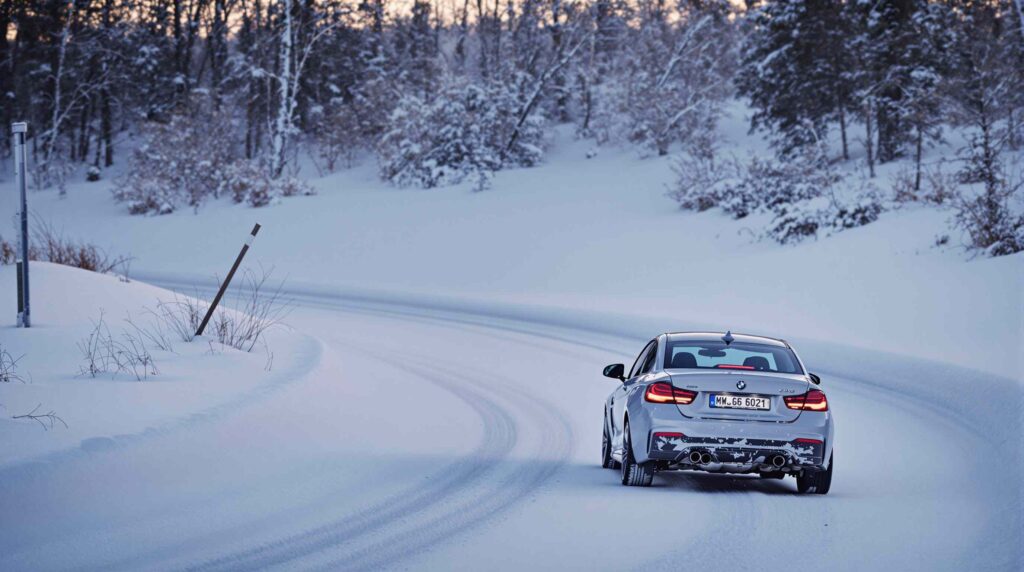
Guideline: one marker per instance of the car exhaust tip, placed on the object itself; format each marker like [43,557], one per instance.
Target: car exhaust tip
[778,461]
[695,457]
[705,458]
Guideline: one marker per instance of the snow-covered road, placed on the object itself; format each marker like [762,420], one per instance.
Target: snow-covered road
[439,435]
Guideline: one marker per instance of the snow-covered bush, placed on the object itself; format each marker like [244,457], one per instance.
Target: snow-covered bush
[184,163]
[703,177]
[92,174]
[863,212]
[990,222]
[740,190]
[181,163]
[801,193]
[794,222]
[465,129]
[245,182]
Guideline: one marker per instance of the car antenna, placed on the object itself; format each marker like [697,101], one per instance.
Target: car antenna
[727,338]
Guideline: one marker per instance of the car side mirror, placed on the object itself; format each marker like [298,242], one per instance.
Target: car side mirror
[815,379]
[615,371]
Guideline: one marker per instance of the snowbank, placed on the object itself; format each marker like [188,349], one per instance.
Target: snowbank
[197,381]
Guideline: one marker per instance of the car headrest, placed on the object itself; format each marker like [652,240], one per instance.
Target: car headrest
[684,360]
[757,362]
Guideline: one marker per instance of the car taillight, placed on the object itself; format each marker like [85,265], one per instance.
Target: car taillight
[813,400]
[805,441]
[662,392]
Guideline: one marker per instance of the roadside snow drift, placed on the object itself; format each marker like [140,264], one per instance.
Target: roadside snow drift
[195,381]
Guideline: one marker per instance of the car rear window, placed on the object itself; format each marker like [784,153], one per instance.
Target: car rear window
[691,354]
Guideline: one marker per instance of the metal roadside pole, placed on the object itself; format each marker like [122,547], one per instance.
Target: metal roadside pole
[227,280]
[18,131]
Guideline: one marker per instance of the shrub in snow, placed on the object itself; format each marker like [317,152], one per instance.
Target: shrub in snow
[291,186]
[794,222]
[990,223]
[49,245]
[92,174]
[702,181]
[989,215]
[7,252]
[465,129]
[859,214]
[9,367]
[740,190]
[259,306]
[245,181]
[102,352]
[248,182]
[935,186]
[181,163]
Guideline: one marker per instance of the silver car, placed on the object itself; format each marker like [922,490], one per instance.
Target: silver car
[721,403]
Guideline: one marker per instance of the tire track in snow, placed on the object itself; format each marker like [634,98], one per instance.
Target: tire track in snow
[498,438]
[495,497]
[458,498]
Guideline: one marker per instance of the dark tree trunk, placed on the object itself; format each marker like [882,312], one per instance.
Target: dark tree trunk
[919,145]
[842,133]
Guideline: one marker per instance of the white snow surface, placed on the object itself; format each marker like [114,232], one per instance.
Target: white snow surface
[436,402]
[195,382]
[596,234]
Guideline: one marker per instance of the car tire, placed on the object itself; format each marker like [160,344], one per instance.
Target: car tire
[607,461]
[818,482]
[633,473]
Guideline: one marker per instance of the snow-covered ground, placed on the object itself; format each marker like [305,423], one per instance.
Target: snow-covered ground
[437,405]
[192,383]
[596,234]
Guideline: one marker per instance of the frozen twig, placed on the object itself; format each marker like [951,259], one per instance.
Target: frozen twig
[46,420]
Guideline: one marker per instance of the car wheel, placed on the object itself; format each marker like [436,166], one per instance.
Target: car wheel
[607,461]
[818,482]
[633,473]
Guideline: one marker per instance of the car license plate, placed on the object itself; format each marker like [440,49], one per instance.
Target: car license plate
[726,401]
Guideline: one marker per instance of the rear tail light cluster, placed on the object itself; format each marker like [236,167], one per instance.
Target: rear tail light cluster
[662,392]
[813,400]
[805,441]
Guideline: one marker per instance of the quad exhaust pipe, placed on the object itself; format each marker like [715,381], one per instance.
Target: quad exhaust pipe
[698,457]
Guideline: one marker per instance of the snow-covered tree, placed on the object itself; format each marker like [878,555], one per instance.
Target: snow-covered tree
[793,59]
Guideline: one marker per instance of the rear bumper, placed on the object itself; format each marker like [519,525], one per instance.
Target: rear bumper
[733,450]
[737,446]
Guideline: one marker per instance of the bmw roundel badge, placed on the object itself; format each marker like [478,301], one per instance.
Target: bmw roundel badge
[741,384]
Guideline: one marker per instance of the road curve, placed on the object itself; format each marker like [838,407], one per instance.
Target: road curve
[508,477]
[898,426]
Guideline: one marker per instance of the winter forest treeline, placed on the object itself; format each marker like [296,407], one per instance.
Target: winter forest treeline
[228,94]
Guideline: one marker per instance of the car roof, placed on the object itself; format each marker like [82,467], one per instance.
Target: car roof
[717,337]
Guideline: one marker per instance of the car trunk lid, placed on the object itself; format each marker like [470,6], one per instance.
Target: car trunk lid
[707,384]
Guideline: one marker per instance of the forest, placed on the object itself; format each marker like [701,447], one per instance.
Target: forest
[200,99]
